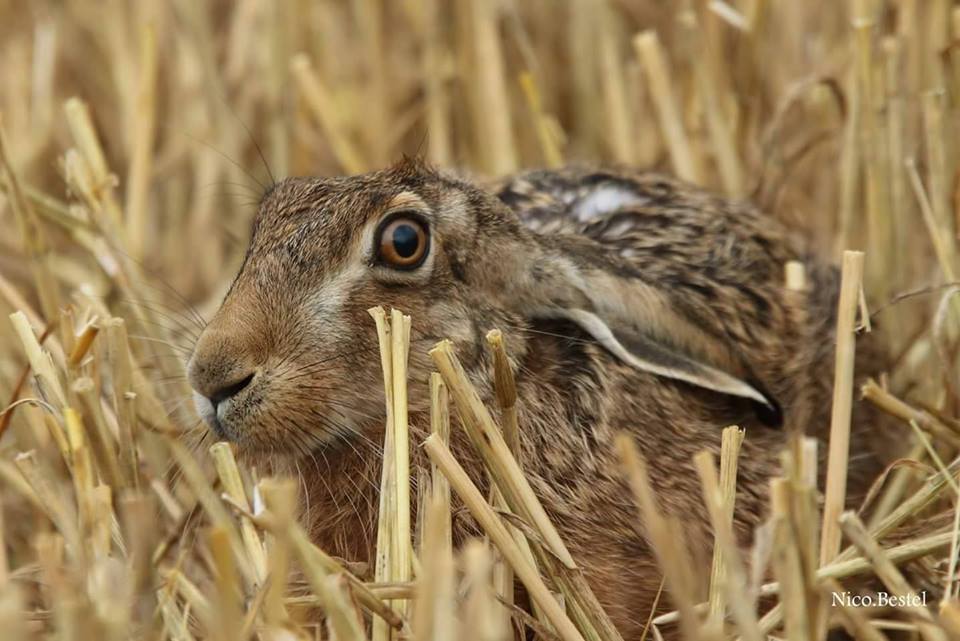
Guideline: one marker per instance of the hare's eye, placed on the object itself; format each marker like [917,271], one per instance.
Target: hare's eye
[404,242]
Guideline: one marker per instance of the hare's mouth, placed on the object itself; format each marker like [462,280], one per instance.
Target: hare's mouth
[227,416]
[267,418]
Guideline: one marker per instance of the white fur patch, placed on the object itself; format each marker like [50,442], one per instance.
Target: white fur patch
[327,300]
[605,200]
[203,406]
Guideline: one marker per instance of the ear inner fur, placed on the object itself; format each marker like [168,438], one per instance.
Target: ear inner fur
[646,354]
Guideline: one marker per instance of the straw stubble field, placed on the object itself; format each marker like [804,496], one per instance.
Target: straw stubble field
[135,142]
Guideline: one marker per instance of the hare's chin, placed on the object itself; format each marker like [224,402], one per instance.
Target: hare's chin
[213,417]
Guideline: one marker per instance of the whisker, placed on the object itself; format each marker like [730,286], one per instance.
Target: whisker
[225,157]
[170,288]
[181,322]
[160,341]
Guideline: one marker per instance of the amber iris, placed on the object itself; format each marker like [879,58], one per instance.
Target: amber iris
[403,242]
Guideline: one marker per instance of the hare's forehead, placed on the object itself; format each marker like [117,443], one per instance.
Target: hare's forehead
[330,231]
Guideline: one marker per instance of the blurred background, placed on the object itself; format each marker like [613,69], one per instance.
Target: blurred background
[140,135]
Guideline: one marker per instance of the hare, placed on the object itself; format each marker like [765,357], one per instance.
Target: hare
[629,301]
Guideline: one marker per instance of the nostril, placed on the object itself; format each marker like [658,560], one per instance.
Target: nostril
[233,389]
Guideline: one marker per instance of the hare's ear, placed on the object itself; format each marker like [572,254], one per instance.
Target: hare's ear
[564,276]
[646,353]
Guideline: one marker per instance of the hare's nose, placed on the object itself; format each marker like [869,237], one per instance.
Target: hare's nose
[232,389]
[221,367]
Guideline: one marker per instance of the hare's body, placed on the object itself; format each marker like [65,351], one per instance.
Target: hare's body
[630,303]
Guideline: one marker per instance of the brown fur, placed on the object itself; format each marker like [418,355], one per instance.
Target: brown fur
[702,275]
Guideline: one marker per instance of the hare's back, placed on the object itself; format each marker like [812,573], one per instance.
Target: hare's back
[641,213]
[723,260]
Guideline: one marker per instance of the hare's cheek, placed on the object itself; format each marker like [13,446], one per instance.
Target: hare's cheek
[334,314]
[322,310]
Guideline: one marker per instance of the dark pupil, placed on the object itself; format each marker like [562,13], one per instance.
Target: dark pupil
[405,240]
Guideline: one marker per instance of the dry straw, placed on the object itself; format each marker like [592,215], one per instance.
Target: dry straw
[133,149]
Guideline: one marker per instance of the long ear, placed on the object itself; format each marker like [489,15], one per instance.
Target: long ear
[644,353]
[578,279]
[640,325]
[649,355]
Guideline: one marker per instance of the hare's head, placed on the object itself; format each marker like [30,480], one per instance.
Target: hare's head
[290,362]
